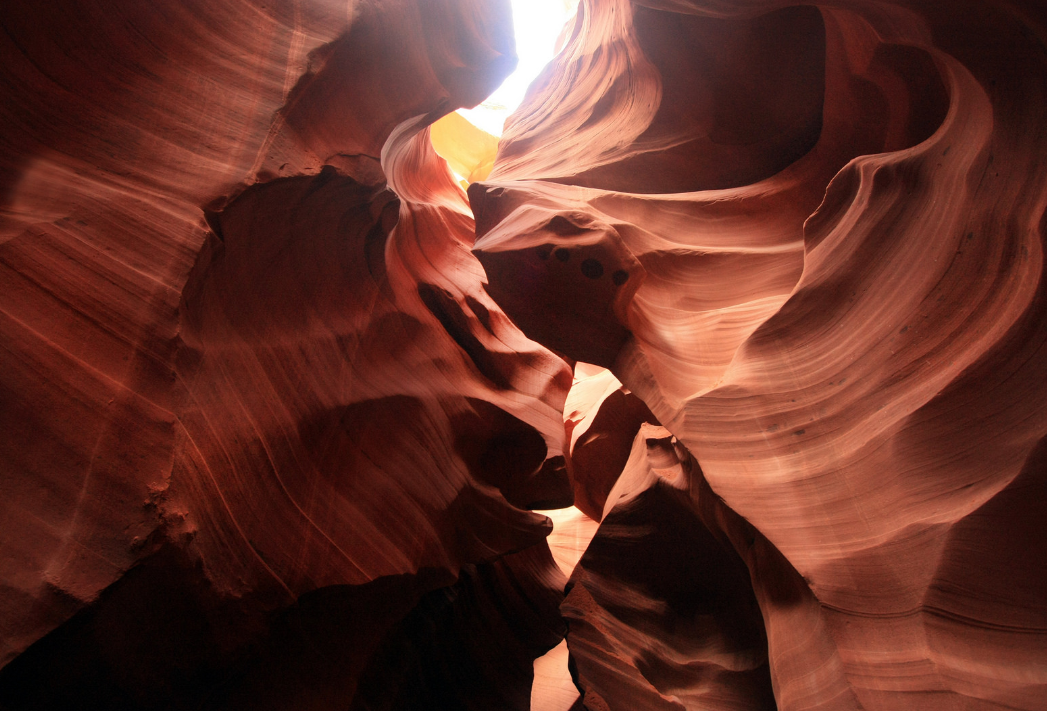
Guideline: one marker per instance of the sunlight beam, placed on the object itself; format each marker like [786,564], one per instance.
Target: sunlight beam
[537,24]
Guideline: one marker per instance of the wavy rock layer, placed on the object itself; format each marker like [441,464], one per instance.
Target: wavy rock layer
[263,428]
[851,345]
[270,441]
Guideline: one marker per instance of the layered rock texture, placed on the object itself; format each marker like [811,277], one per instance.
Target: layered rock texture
[758,288]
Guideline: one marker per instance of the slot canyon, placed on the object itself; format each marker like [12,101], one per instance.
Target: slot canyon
[718,381]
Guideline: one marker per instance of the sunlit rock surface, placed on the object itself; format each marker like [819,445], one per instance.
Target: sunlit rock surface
[601,418]
[282,410]
[851,345]
[469,151]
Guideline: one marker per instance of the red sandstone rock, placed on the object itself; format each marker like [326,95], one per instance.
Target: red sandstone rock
[852,348]
[601,419]
[269,441]
[660,609]
[252,376]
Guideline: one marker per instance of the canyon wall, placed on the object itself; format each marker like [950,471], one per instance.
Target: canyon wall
[757,287]
[851,346]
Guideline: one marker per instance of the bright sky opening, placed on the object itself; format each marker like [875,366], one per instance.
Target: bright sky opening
[538,24]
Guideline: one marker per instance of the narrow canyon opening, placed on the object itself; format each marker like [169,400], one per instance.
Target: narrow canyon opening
[707,372]
[468,138]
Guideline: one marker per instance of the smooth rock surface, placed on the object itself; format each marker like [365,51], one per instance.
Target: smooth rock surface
[253,391]
[281,407]
[851,346]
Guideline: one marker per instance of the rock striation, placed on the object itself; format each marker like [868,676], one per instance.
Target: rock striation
[264,430]
[851,345]
[758,288]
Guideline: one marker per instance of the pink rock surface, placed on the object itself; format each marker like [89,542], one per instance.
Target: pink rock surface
[601,418]
[852,347]
[277,402]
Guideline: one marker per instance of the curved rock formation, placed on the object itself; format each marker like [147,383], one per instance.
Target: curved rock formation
[601,418]
[661,610]
[851,346]
[279,404]
[249,362]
